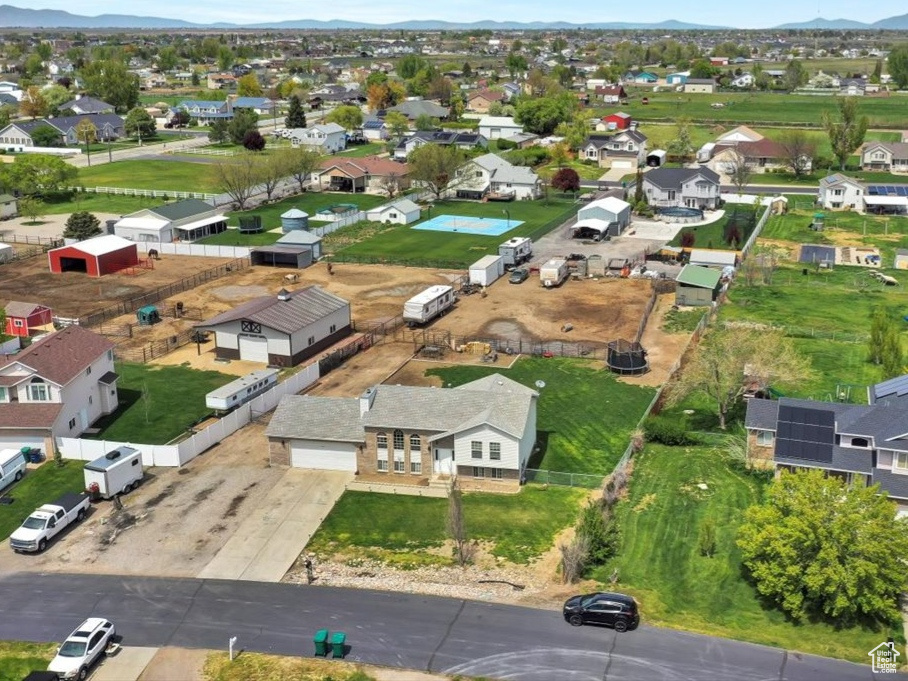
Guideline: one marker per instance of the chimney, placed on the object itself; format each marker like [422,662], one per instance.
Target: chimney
[366,400]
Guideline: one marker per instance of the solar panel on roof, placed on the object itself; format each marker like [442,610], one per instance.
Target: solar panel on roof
[805,433]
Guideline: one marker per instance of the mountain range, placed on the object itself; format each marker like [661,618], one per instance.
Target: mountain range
[18,17]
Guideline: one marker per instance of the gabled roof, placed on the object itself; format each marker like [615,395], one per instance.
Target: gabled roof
[502,171]
[180,210]
[299,237]
[402,205]
[29,415]
[100,245]
[743,131]
[413,109]
[897,149]
[367,165]
[490,95]
[62,355]
[301,308]
[88,105]
[16,308]
[65,123]
[673,178]
[499,121]
[317,418]
[838,178]
[251,103]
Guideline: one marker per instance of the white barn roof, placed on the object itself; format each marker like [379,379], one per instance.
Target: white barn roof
[101,245]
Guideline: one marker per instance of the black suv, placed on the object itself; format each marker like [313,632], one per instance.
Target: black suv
[614,610]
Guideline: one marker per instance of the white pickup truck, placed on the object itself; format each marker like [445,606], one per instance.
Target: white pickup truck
[48,521]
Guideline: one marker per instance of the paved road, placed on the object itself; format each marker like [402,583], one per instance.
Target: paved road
[390,629]
[766,189]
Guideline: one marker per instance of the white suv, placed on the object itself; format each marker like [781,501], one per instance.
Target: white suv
[82,649]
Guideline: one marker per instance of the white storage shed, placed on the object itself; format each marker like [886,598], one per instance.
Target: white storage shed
[609,209]
[486,270]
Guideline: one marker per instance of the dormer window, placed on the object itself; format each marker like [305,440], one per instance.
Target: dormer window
[38,391]
[860,442]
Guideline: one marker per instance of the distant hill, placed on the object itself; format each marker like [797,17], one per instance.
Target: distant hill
[18,17]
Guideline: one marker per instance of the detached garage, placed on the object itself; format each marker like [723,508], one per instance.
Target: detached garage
[320,433]
[611,210]
[95,257]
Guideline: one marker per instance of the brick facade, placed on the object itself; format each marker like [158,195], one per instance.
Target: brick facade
[367,457]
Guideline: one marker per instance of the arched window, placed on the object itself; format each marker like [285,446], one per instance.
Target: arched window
[398,440]
[381,442]
[860,442]
[415,443]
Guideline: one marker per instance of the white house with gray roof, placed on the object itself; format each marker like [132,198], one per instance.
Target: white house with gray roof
[839,191]
[483,431]
[327,138]
[281,330]
[690,187]
[186,220]
[491,174]
[400,212]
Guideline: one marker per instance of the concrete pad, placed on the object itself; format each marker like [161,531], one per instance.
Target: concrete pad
[176,664]
[126,665]
[271,538]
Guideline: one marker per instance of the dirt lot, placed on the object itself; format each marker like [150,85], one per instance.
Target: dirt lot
[173,524]
[73,294]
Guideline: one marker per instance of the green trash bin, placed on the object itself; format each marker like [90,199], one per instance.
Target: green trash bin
[337,644]
[321,643]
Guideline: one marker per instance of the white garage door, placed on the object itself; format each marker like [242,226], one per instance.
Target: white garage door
[254,349]
[14,442]
[622,164]
[331,456]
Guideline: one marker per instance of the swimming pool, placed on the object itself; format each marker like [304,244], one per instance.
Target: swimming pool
[463,224]
[338,209]
[681,212]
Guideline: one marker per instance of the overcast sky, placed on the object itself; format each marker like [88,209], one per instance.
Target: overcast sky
[711,12]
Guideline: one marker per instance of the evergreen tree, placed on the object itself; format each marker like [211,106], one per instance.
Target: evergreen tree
[296,117]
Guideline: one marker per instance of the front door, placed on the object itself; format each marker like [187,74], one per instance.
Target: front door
[83,417]
[444,461]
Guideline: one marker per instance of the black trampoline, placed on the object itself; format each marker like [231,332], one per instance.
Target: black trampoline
[626,358]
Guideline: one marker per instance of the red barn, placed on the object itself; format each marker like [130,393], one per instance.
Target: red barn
[618,121]
[22,318]
[96,257]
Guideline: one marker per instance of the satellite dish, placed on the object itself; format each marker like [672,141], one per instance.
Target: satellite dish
[540,384]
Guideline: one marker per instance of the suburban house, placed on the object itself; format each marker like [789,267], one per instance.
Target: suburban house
[625,149]
[498,127]
[481,100]
[205,111]
[366,174]
[220,81]
[375,130]
[24,319]
[187,220]
[678,78]
[700,86]
[689,187]
[461,140]
[327,138]
[57,387]
[281,330]
[861,444]
[490,176]
[761,156]
[838,191]
[889,157]
[640,77]
[400,212]
[611,94]
[260,105]
[697,285]
[483,432]
[740,134]
[82,105]
[414,108]
[852,87]
[107,127]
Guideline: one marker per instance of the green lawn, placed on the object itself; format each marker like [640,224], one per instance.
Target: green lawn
[40,486]
[757,108]
[358,151]
[18,658]
[232,237]
[586,171]
[70,202]
[158,403]
[585,416]
[150,174]
[660,564]
[310,202]
[399,528]
[403,244]
[713,234]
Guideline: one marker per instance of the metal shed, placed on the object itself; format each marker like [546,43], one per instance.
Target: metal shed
[697,285]
[282,255]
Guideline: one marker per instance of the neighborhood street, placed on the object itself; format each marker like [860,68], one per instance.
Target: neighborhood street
[391,629]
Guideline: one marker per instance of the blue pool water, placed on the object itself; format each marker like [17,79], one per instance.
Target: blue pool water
[681,212]
[469,225]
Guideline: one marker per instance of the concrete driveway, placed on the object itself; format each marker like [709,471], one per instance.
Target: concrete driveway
[274,534]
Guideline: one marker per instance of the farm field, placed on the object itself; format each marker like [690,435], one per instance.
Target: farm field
[151,174]
[402,244]
[755,108]
[659,562]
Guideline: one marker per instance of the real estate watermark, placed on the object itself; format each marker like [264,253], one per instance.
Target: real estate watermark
[884,658]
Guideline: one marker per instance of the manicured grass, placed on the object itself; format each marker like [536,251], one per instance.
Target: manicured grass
[18,658]
[70,202]
[759,107]
[40,486]
[402,243]
[586,171]
[232,237]
[371,149]
[150,174]
[173,400]
[812,180]
[713,234]
[584,417]
[310,202]
[400,528]
[660,564]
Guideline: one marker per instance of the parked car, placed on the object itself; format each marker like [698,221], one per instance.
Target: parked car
[82,649]
[611,609]
[519,276]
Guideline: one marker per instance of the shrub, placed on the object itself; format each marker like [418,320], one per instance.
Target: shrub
[706,541]
[600,532]
[505,145]
[668,432]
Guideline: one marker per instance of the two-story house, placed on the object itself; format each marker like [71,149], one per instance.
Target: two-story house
[327,138]
[206,111]
[57,387]
[888,157]
[862,444]
[689,187]
[483,432]
[490,175]
[839,192]
[624,149]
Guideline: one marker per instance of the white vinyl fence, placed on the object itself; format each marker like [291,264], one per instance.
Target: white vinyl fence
[203,250]
[185,451]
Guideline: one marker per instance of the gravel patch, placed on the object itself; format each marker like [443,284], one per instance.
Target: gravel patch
[239,292]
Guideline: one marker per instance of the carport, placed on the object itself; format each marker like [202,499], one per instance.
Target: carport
[593,229]
[278,255]
[886,205]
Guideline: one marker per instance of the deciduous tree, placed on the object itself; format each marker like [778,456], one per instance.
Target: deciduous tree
[46,136]
[33,105]
[541,115]
[302,163]
[110,81]
[237,177]
[37,174]
[463,548]
[219,131]
[730,360]
[81,225]
[248,86]
[898,65]
[253,140]
[799,151]
[818,546]
[566,180]
[348,117]
[435,167]
[795,75]
[739,168]
[140,124]
[846,134]
[397,123]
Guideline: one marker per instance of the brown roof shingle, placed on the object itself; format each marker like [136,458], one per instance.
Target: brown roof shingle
[65,354]
[29,415]
[17,308]
[368,165]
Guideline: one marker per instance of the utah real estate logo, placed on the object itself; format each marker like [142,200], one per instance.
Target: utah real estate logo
[883,658]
